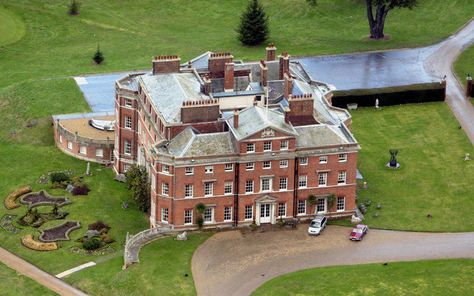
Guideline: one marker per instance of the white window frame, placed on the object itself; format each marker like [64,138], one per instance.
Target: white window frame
[341,178]
[284,163]
[189,171]
[267,146]
[341,206]
[322,177]
[342,157]
[165,189]
[208,169]
[165,215]
[229,167]
[128,122]
[270,185]
[69,145]
[127,147]
[303,161]
[301,202]
[99,152]
[247,182]
[283,180]
[284,146]
[208,191]
[280,206]
[212,219]
[188,190]
[228,211]
[303,181]
[323,159]
[228,188]
[165,168]
[188,214]
[250,147]
[248,213]
[250,166]
[266,165]
[128,103]
[83,150]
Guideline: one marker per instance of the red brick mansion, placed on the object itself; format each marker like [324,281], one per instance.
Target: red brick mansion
[251,141]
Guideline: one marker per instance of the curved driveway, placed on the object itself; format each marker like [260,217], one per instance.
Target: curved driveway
[230,263]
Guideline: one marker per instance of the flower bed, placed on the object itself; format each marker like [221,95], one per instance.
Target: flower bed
[10,200]
[60,232]
[98,252]
[30,243]
[43,198]
[7,225]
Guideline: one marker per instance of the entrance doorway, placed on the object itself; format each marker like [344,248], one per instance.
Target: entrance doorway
[265,216]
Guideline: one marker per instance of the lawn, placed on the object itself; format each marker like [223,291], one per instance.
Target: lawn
[441,277]
[12,28]
[164,269]
[433,177]
[13,284]
[131,32]
[465,64]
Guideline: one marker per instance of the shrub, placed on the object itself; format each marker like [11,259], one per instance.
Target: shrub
[74,8]
[99,226]
[106,238]
[91,244]
[10,200]
[30,243]
[81,190]
[98,57]
[59,177]
[200,221]
[200,207]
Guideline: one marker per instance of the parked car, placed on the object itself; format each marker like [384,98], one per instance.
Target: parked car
[317,225]
[358,232]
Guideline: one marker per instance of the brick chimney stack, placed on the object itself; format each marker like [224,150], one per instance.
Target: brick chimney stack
[271,52]
[287,115]
[284,64]
[468,86]
[263,73]
[229,77]
[166,64]
[288,85]
[236,118]
[216,63]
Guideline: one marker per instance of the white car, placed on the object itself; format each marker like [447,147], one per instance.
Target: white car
[317,225]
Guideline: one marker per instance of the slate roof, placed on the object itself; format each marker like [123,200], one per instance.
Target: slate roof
[322,135]
[168,91]
[191,143]
[255,119]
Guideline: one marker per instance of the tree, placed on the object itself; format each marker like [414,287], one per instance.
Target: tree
[382,7]
[137,182]
[253,29]
[74,8]
[98,56]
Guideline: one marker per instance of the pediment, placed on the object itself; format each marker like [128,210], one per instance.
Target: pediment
[266,199]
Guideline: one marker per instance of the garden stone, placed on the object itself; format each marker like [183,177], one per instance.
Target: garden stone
[88,169]
[355,219]
[91,233]
[467,157]
[182,236]
[69,188]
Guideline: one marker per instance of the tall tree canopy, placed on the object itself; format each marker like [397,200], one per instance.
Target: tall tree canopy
[382,7]
[253,29]
[137,182]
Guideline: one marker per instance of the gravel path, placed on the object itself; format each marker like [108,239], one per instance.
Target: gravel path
[230,263]
[440,62]
[44,278]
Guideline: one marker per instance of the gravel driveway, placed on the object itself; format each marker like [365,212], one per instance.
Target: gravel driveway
[230,263]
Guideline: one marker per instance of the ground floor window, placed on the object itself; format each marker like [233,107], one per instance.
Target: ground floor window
[99,152]
[188,217]
[321,205]
[208,215]
[248,212]
[341,204]
[301,207]
[69,145]
[227,213]
[282,210]
[164,215]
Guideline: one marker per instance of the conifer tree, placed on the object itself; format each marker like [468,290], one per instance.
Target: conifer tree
[74,8]
[98,56]
[253,29]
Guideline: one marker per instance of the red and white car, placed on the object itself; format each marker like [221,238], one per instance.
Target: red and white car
[358,232]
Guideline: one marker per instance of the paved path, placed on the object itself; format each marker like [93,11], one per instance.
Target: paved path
[44,278]
[439,63]
[230,263]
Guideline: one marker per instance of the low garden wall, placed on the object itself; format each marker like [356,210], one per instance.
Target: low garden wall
[416,93]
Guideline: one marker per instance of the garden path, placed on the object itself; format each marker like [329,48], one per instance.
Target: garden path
[42,277]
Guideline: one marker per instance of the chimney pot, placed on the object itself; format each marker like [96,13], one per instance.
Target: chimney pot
[236,118]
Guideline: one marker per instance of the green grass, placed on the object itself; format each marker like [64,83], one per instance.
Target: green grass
[162,269]
[441,277]
[465,64]
[13,284]
[433,177]
[12,28]
[131,32]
